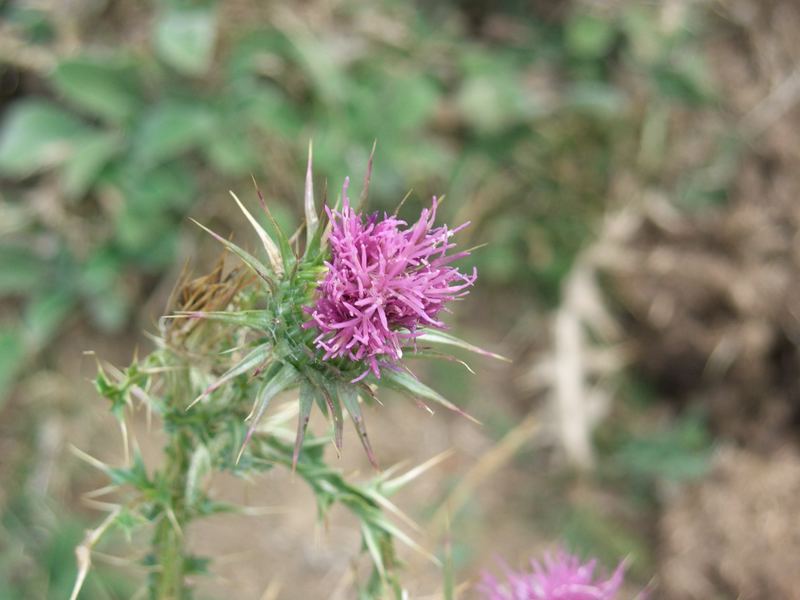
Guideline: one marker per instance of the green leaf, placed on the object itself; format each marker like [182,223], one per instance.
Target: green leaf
[107,89]
[134,475]
[170,129]
[185,37]
[92,153]
[36,135]
[407,383]
[129,521]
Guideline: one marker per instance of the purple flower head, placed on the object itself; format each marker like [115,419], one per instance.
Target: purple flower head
[560,577]
[384,281]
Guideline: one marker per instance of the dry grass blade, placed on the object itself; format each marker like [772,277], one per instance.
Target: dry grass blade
[489,463]
[83,553]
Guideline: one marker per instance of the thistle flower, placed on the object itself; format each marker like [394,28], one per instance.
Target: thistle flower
[560,577]
[383,286]
[384,282]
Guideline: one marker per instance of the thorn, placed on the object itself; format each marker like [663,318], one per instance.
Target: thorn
[362,200]
[402,202]
[311,214]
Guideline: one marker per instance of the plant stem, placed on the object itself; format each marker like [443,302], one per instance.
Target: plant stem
[168,540]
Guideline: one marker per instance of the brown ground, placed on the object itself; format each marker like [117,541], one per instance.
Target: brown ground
[714,307]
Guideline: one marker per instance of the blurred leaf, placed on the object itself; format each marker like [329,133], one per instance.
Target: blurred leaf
[196,565]
[33,22]
[99,272]
[684,78]
[588,36]
[258,51]
[12,356]
[92,153]
[318,56]
[269,110]
[595,98]
[21,271]
[500,262]
[103,88]
[185,36]
[229,149]
[37,553]
[411,98]
[170,129]
[45,313]
[642,29]
[591,533]
[681,452]
[36,134]
[155,191]
[491,101]
[109,311]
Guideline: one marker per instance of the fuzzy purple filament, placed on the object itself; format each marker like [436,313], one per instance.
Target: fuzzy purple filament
[385,280]
[560,577]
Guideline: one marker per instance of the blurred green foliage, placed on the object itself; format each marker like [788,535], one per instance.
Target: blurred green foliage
[524,127]
[37,554]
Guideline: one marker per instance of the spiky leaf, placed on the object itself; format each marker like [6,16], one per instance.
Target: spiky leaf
[285,377]
[348,394]
[251,261]
[408,384]
[270,248]
[440,337]
[307,395]
[250,362]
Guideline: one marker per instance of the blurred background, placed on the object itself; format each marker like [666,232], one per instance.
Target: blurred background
[632,168]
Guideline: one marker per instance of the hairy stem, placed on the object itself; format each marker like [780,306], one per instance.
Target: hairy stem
[168,540]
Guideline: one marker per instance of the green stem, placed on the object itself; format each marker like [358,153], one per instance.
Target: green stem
[168,541]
